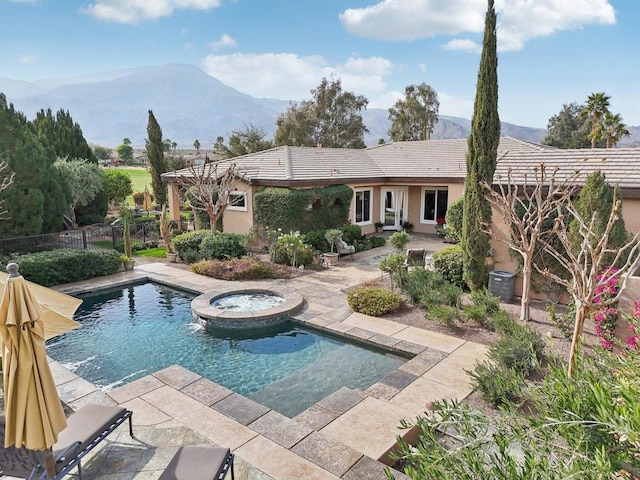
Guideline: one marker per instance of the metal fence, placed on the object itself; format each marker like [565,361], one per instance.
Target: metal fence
[87,238]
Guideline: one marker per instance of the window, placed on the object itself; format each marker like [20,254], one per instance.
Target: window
[237,201]
[434,204]
[362,208]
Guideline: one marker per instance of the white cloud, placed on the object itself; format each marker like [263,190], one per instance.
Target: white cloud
[455,106]
[463,44]
[225,41]
[136,11]
[27,58]
[288,76]
[518,20]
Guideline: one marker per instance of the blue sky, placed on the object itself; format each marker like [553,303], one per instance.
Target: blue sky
[551,52]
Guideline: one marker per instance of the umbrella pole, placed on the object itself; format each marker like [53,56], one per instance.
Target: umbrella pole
[49,463]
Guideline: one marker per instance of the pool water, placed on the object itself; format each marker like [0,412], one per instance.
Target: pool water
[131,332]
[245,302]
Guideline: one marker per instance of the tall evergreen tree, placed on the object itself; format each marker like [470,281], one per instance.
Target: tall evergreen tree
[39,196]
[155,155]
[481,158]
[64,135]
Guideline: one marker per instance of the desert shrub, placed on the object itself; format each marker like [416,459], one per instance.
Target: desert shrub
[448,263]
[376,242]
[487,299]
[475,313]
[416,281]
[240,269]
[351,234]
[440,294]
[60,266]
[220,246]
[399,240]
[445,314]
[564,320]
[522,350]
[503,322]
[373,300]
[499,385]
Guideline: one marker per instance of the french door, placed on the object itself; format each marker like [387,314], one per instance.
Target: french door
[393,207]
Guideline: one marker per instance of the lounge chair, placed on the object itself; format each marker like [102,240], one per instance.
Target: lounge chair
[85,429]
[199,463]
[345,249]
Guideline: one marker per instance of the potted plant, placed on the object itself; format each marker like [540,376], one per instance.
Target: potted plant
[379,226]
[407,226]
[166,233]
[333,236]
[127,217]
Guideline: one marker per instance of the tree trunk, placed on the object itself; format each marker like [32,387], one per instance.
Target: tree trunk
[581,312]
[525,303]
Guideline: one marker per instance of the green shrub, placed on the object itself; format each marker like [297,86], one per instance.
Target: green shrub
[475,313]
[56,267]
[317,241]
[289,244]
[222,246]
[440,294]
[487,299]
[240,269]
[189,242]
[448,263]
[445,314]
[454,219]
[393,265]
[522,350]
[498,384]
[399,240]
[376,242]
[503,322]
[416,281]
[351,234]
[373,300]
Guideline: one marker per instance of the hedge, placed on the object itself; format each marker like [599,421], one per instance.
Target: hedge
[60,266]
[303,210]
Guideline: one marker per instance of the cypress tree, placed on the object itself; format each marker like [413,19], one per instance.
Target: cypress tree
[482,153]
[155,155]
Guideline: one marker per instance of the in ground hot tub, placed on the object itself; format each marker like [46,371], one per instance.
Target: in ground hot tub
[245,308]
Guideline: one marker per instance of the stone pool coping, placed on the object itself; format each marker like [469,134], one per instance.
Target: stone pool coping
[347,435]
[209,316]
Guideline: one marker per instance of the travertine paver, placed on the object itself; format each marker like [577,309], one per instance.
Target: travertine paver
[328,454]
[341,400]
[315,417]
[398,379]
[370,427]
[451,370]
[206,391]
[370,469]
[135,389]
[280,463]
[420,364]
[415,399]
[428,338]
[375,324]
[145,413]
[177,376]
[242,409]
[280,429]
[209,423]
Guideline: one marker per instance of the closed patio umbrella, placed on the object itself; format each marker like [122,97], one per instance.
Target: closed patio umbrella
[34,414]
[146,203]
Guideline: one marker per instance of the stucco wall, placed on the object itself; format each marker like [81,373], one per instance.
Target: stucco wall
[237,221]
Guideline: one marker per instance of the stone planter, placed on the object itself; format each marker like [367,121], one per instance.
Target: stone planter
[128,264]
[172,257]
[331,258]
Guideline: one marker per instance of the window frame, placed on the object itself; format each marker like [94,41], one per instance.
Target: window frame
[355,205]
[238,208]
[436,189]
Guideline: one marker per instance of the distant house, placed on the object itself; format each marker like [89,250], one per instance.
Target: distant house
[393,183]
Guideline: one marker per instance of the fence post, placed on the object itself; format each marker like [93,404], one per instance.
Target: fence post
[114,236]
[85,244]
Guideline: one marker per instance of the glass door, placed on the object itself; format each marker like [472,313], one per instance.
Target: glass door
[392,208]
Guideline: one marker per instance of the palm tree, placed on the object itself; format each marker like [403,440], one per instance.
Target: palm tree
[596,107]
[613,129]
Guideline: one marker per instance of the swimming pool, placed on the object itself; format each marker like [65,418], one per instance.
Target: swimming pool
[131,332]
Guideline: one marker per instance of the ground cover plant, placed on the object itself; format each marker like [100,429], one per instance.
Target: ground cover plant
[245,268]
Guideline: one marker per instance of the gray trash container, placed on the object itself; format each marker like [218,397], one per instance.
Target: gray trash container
[501,284]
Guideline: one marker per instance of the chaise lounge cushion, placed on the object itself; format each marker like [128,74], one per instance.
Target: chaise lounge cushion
[197,463]
[85,426]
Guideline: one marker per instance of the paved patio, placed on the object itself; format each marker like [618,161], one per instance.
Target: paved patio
[346,435]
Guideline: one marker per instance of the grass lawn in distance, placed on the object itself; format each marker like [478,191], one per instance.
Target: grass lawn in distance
[139,178]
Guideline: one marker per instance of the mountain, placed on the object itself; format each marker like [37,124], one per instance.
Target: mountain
[188,104]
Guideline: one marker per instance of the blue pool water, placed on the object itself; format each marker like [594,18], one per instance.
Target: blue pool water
[131,332]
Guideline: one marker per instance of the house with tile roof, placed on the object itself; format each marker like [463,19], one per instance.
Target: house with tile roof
[392,183]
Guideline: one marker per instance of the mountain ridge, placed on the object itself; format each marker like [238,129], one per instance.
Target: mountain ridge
[189,104]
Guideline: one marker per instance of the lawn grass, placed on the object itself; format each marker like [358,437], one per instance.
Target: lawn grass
[139,178]
[158,252]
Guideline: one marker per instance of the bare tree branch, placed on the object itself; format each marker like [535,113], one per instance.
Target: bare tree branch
[210,186]
[7,179]
[524,204]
